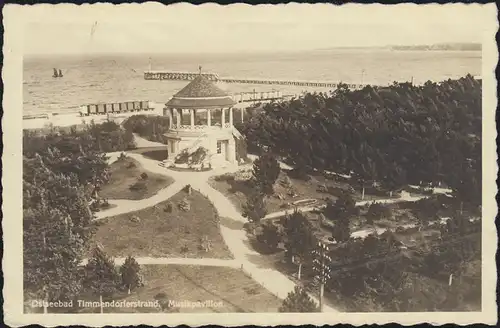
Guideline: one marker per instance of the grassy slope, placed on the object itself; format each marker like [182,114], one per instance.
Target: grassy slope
[162,234]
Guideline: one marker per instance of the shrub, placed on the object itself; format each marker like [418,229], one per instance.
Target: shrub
[131,165]
[286,182]
[225,177]
[298,301]
[323,188]
[122,157]
[187,189]
[250,227]
[182,157]
[184,205]
[378,211]
[291,192]
[105,203]
[163,300]
[169,207]
[144,176]
[199,155]
[135,218]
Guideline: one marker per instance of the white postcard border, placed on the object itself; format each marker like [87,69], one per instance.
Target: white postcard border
[15,16]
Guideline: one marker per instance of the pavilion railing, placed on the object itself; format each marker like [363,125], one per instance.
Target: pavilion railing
[199,127]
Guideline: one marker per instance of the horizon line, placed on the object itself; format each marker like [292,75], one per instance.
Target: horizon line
[257,52]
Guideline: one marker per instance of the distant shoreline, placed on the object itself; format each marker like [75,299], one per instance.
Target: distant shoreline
[436,47]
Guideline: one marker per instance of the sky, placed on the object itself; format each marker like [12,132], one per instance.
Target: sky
[185,28]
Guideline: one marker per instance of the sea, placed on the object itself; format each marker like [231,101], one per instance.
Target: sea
[91,79]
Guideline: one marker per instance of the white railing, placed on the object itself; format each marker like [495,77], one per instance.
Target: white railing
[200,127]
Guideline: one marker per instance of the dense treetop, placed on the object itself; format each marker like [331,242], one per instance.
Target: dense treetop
[395,135]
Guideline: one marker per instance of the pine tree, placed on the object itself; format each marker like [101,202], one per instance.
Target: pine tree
[298,301]
[270,235]
[101,276]
[255,208]
[130,274]
[266,170]
[300,239]
[56,227]
[340,212]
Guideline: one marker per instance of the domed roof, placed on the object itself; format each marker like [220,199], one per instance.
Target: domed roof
[200,93]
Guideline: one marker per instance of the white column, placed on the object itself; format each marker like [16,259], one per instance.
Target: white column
[231,116]
[192,118]
[170,118]
[178,117]
[223,117]
[209,117]
[241,112]
[231,149]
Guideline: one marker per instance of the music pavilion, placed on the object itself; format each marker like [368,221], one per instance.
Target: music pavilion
[202,134]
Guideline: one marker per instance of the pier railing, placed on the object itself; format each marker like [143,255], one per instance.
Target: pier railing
[188,76]
[181,76]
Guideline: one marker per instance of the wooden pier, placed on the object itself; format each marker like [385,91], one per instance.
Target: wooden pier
[178,76]
[189,76]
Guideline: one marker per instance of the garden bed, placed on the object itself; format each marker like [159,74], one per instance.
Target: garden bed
[126,173]
[159,233]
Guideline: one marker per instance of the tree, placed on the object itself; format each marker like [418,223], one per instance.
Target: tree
[101,276]
[300,238]
[394,135]
[427,210]
[340,212]
[344,206]
[266,170]
[57,224]
[255,208]
[130,274]
[298,301]
[377,211]
[270,235]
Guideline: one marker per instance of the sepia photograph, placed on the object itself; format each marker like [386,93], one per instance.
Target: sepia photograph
[270,162]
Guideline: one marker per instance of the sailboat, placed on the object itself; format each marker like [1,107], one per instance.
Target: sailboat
[57,74]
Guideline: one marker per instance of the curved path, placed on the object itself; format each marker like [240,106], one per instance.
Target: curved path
[231,228]
[234,236]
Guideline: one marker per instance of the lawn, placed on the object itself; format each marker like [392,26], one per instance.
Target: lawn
[229,289]
[127,172]
[159,233]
